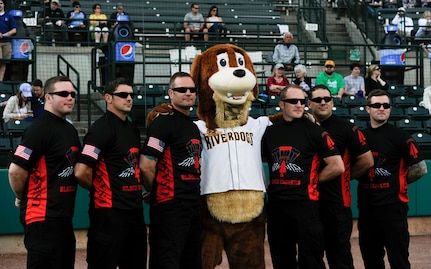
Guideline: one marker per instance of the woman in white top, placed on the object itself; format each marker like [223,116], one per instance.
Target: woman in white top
[424,25]
[215,22]
[18,107]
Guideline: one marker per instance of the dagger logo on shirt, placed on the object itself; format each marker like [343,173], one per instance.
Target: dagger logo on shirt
[194,148]
[285,157]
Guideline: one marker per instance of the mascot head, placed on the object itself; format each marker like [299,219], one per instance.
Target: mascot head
[226,83]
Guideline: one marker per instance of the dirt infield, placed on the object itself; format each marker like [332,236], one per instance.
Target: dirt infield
[420,256]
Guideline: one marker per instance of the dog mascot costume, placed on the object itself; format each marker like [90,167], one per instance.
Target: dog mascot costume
[232,180]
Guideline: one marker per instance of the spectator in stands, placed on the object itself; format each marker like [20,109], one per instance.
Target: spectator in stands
[426,100]
[331,79]
[354,83]
[427,50]
[373,6]
[99,24]
[113,18]
[404,24]
[278,81]
[390,4]
[18,107]
[38,98]
[76,23]
[373,80]
[301,78]
[7,29]
[54,22]
[425,3]
[214,23]
[424,25]
[194,23]
[286,53]
[409,3]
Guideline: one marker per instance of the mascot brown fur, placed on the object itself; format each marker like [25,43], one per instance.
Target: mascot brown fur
[233,214]
[234,219]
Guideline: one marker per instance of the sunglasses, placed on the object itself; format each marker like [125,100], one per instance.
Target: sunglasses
[329,66]
[377,68]
[123,95]
[184,89]
[327,99]
[64,94]
[294,101]
[77,6]
[379,105]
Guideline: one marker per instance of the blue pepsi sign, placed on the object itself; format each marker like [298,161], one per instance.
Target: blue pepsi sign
[125,51]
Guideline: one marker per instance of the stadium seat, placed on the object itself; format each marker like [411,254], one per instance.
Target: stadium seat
[416,91]
[395,90]
[352,101]
[404,101]
[423,141]
[360,113]
[410,125]
[256,112]
[343,112]
[5,152]
[362,124]
[419,113]
[273,110]
[397,113]
[15,128]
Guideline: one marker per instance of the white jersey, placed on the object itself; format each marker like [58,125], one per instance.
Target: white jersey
[231,157]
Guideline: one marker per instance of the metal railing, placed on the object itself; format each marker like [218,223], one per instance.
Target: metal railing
[64,68]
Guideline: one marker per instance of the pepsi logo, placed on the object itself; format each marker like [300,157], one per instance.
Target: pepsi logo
[127,51]
[24,48]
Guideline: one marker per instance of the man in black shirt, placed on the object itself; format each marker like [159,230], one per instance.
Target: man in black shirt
[54,22]
[382,191]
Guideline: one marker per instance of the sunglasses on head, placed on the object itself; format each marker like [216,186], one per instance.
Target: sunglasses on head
[123,95]
[184,89]
[379,105]
[327,99]
[64,94]
[294,101]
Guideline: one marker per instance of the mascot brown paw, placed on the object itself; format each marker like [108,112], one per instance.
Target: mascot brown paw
[162,109]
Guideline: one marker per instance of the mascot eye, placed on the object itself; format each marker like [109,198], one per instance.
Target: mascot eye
[223,62]
[241,61]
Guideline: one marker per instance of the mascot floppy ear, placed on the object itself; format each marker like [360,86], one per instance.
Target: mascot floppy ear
[226,84]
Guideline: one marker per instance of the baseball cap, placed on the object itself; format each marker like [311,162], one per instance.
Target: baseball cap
[278,66]
[56,1]
[402,9]
[25,88]
[120,6]
[329,62]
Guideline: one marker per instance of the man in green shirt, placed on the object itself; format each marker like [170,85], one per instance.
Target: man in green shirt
[331,79]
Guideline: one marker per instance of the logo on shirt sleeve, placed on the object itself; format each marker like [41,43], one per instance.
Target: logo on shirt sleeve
[23,152]
[91,151]
[156,144]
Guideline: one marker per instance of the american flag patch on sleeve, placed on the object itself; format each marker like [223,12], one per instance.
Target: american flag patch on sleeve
[23,152]
[91,151]
[156,144]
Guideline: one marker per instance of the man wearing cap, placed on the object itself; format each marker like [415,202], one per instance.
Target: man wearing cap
[18,107]
[7,29]
[54,22]
[113,18]
[331,79]
[286,53]
[38,99]
[404,24]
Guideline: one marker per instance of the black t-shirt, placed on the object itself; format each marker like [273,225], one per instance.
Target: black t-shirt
[294,151]
[48,151]
[351,143]
[394,151]
[175,141]
[111,148]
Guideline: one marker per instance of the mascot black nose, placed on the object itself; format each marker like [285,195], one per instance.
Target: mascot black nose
[239,73]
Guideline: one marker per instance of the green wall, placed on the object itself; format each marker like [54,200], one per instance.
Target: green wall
[419,194]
